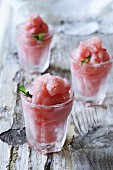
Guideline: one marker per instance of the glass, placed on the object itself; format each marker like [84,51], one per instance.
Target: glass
[34,56]
[46,126]
[90,81]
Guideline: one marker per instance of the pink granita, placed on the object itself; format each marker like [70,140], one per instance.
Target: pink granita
[49,90]
[90,65]
[46,112]
[34,37]
[35,25]
[93,48]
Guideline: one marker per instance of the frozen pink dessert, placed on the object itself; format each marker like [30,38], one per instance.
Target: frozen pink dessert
[46,112]
[90,65]
[34,37]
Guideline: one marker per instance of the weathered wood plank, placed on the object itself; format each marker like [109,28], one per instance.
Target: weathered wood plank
[5,18]
[4,155]
[22,157]
[102,159]
[80,160]
[98,146]
[7,91]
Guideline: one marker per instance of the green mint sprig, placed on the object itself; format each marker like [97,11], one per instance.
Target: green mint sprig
[23,90]
[38,37]
[86,60]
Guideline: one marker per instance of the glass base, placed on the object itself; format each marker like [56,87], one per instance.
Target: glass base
[90,101]
[46,143]
[46,148]
[35,69]
[35,66]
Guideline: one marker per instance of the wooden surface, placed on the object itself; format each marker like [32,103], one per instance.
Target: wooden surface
[89,142]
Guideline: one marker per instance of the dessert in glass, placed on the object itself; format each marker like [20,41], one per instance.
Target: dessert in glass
[47,103]
[34,37]
[90,66]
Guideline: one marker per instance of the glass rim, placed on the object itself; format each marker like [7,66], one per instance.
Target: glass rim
[95,64]
[50,106]
[46,35]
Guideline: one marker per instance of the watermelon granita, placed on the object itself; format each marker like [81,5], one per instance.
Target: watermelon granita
[47,103]
[90,66]
[34,37]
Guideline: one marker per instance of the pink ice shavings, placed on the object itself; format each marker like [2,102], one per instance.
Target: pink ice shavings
[49,90]
[35,25]
[91,48]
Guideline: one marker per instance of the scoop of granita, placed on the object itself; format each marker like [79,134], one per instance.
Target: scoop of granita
[35,25]
[49,90]
[35,30]
[91,51]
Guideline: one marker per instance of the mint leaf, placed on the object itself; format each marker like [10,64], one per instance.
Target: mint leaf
[38,37]
[41,36]
[23,90]
[86,60]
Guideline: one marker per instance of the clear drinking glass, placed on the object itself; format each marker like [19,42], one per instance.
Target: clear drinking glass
[90,81]
[46,126]
[34,56]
